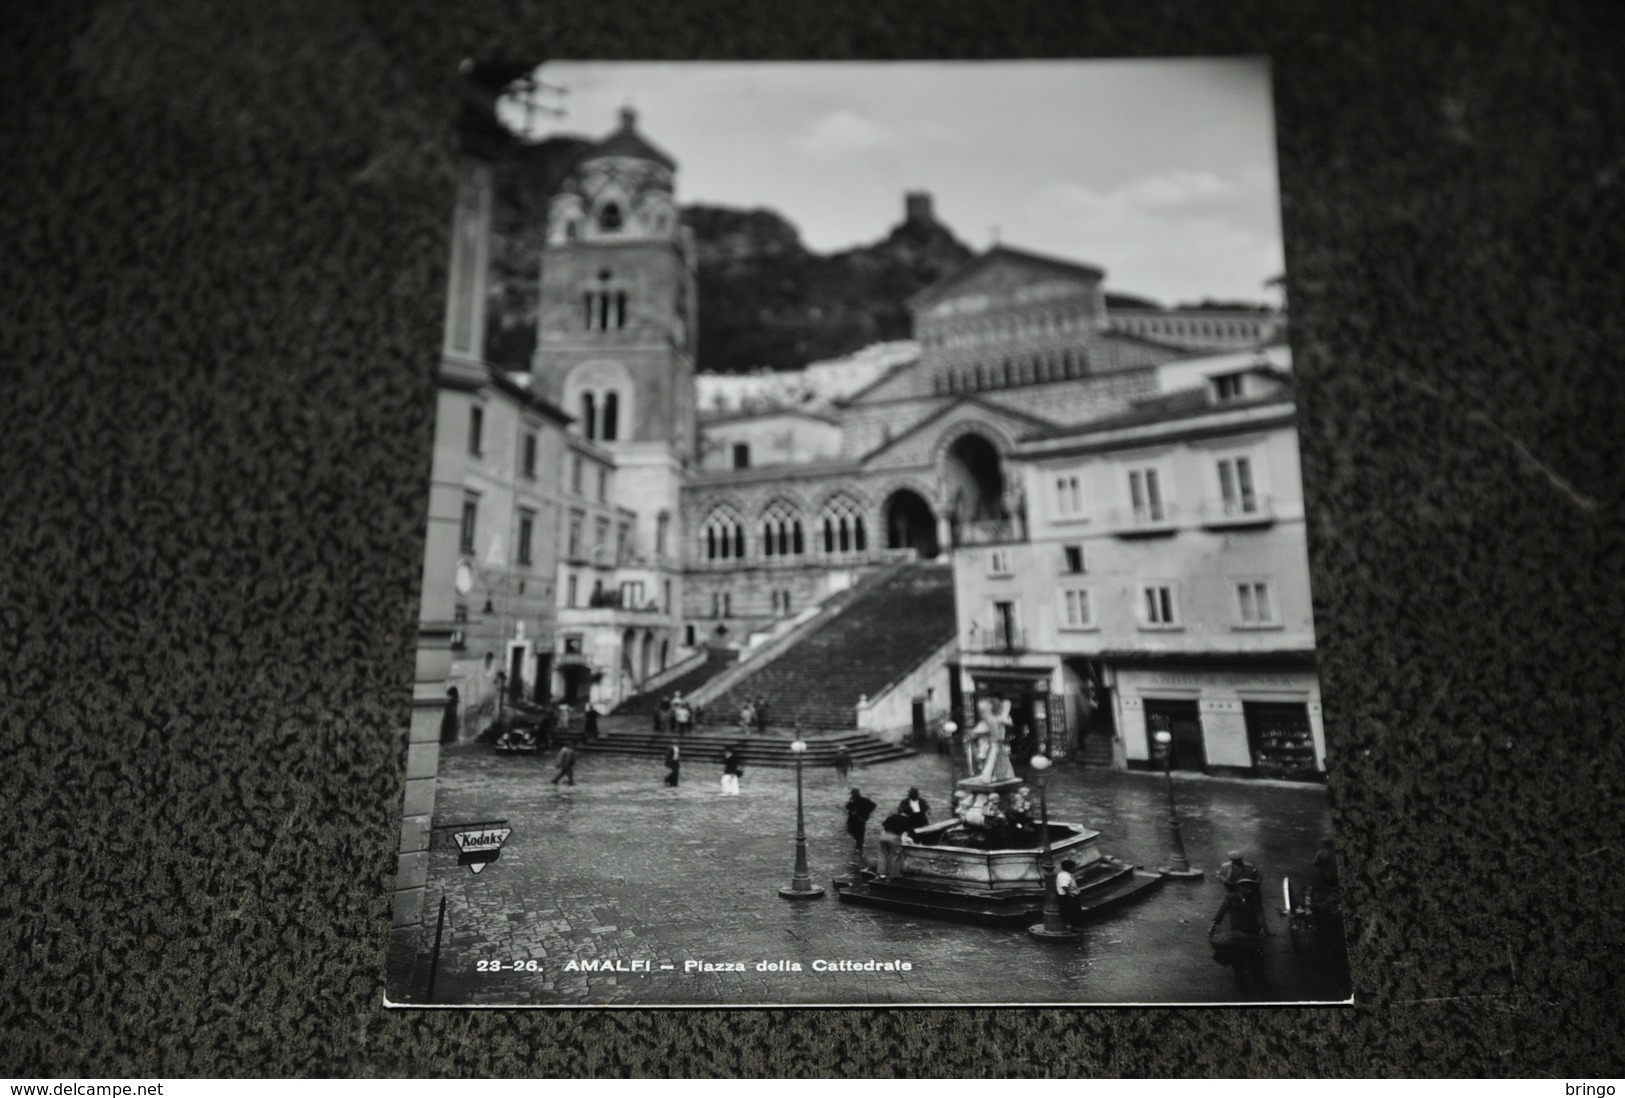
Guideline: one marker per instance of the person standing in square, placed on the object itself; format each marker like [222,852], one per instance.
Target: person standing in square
[858,810]
[733,768]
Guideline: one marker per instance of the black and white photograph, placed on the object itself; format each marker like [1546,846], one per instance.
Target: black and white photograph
[866,560]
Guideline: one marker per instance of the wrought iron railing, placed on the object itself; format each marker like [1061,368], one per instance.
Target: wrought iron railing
[1239,509]
[997,638]
[1159,518]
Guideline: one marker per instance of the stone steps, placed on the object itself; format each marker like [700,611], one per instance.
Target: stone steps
[757,749]
[1095,750]
[862,650]
[717,661]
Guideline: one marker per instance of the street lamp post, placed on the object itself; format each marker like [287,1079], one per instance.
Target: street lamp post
[1181,865]
[800,886]
[949,729]
[1053,928]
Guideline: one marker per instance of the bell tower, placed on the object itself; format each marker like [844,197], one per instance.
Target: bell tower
[617,312]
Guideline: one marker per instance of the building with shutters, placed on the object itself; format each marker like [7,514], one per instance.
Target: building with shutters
[1162,580]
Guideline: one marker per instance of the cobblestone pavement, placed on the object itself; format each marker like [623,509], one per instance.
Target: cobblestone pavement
[621,868]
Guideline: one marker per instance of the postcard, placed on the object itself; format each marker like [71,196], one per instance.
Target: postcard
[866,560]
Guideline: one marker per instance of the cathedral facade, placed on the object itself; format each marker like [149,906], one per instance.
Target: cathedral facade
[694,529]
[917,462]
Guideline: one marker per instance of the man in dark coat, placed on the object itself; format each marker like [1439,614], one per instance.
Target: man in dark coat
[914,810]
[674,765]
[589,722]
[858,810]
[843,762]
[451,717]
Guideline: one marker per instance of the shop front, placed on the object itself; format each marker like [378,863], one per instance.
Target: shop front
[1260,719]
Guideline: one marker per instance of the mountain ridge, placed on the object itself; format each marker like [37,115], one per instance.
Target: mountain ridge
[766,300]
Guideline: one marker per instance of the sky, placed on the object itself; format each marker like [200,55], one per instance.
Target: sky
[1160,171]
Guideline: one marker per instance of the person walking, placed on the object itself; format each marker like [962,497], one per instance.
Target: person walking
[683,714]
[589,722]
[663,715]
[747,718]
[843,762]
[761,715]
[674,764]
[858,810]
[733,768]
[567,766]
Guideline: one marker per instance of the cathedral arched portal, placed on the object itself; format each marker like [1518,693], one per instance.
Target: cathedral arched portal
[910,524]
[973,485]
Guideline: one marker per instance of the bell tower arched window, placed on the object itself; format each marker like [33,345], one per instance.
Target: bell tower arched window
[612,411]
[609,218]
[589,418]
[606,304]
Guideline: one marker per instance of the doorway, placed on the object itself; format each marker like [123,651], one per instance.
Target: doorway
[974,481]
[543,692]
[516,671]
[910,524]
[577,685]
[1184,721]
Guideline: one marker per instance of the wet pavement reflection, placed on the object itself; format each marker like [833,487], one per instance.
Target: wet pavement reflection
[602,885]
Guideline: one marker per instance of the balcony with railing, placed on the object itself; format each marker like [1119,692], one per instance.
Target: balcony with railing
[990,532]
[1147,520]
[1242,509]
[613,608]
[999,638]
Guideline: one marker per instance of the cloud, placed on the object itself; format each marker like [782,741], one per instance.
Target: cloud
[1162,194]
[1183,234]
[1172,189]
[843,133]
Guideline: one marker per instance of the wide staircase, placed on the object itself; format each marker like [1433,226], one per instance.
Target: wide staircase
[870,644]
[716,662]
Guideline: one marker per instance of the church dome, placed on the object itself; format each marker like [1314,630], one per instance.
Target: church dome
[627,142]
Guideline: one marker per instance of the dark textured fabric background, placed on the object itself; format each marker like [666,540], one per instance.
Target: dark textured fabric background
[224,235]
